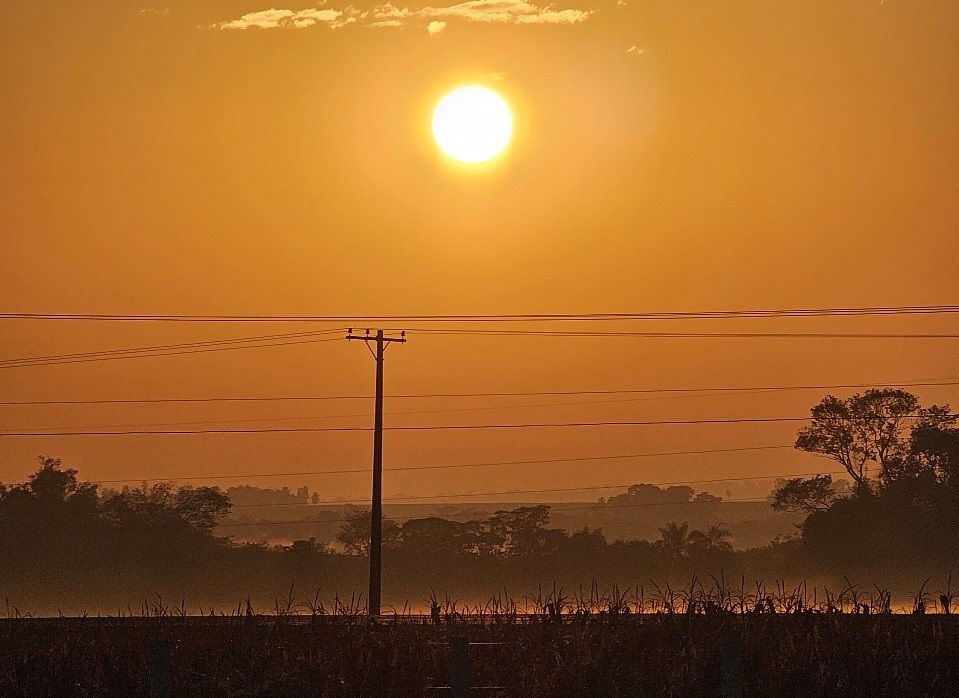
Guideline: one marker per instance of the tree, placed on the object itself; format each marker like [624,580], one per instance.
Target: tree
[651,494]
[354,534]
[715,539]
[583,549]
[640,494]
[868,428]
[201,507]
[674,538]
[52,499]
[800,495]
[523,531]
[432,535]
[678,494]
[933,450]
[904,461]
[52,486]
[197,508]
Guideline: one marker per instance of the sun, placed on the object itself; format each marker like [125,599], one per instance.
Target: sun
[472,124]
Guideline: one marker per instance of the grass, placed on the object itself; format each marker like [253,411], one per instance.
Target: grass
[657,641]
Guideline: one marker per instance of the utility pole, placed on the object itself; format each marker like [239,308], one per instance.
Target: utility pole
[376,513]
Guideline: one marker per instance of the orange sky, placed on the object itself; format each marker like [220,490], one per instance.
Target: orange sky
[667,156]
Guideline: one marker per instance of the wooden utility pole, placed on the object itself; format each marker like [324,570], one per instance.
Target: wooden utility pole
[376,513]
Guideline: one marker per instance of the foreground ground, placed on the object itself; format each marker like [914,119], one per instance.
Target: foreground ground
[603,654]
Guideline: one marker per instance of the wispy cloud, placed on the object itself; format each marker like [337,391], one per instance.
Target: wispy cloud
[636,50]
[289,19]
[499,11]
[548,16]
[389,15]
[389,10]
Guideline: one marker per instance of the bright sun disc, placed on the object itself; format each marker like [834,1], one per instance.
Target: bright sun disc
[472,124]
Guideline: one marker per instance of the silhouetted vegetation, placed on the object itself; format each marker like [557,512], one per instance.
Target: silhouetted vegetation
[152,557]
[68,544]
[903,508]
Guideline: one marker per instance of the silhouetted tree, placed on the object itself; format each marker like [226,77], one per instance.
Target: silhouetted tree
[678,494]
[674,539]
[51,499]
[805,495]
[715,539]
[869,427]
[904,512]
[523,531]
[585,544]
[641,494]
[651,494]
[354,534]
[198,508]
[933,450]
[432,536]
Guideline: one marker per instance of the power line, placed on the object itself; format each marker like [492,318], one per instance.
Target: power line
[930,382]
[504,317]
[687,335]
[255,342]
[434,427]
[407,412]
[453,466]
[267,341]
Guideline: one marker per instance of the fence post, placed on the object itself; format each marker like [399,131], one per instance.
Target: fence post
[160,678]
[460,665]
[731,654]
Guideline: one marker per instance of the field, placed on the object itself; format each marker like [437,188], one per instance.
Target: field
[840,647]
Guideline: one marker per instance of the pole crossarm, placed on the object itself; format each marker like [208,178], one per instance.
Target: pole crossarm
[367,337]
[376,514]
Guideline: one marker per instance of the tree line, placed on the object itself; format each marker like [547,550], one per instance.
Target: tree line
[897,511]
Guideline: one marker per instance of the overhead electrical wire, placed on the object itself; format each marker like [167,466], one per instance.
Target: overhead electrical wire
[433,427]
[354,415]
[501,317]
[269,341]
[930,382]
[265,341]
[684,335]
[454,466]
[255,342]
